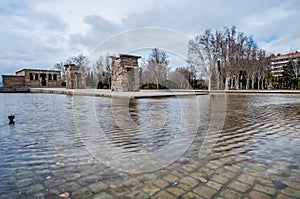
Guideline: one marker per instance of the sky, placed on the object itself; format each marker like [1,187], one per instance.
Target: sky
[40,33]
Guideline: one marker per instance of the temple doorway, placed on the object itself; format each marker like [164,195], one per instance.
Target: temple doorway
[44,82]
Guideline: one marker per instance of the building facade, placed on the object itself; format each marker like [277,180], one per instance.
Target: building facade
[280,60]
[125,73]
[33,78]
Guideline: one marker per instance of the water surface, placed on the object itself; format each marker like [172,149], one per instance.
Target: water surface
[44,155]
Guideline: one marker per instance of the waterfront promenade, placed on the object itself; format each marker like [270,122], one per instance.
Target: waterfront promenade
[109,93]
[151,93]
[136,95]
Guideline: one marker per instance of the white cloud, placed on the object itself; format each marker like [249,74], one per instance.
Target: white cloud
[99,30]
[143,38]
[38,33]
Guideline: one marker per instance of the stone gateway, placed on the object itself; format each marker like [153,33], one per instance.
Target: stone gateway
[125,73]
[75,77]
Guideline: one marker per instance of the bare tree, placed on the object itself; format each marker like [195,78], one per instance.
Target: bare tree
[183,76]
[228,55]
[226,60]
[83,62]
[203,54]
[155,68]
[254,66]
[263,66]
[234,45]
[239,55]
[102,70]
[98,68]
[295,65]
[80,60]
[248,62]
[218,44]
[219,55]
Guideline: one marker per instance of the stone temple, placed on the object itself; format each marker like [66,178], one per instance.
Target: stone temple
[125,73]
[33,78]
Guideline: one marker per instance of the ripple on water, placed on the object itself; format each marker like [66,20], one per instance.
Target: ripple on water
[43,150]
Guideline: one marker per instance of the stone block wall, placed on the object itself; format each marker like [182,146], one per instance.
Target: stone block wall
[13,80]
[75,77]
[125,73]
[41,78]
[33,78]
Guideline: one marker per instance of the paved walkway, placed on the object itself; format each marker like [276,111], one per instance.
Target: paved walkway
[141,94]
[151,93]
[108,93]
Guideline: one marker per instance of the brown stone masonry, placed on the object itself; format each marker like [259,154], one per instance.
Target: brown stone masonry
[33,78]
[125,73]
[75,77]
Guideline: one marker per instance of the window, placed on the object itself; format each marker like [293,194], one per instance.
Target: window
[55,77]
[36,76]
[49,77]
[31,76]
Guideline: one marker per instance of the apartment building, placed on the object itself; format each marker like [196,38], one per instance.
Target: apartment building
[280,60]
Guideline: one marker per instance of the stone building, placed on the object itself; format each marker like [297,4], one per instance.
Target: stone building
[75,77]
[33,78]
[125,73]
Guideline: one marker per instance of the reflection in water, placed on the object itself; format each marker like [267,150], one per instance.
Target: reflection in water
[159,134]
[50,149]
[135,125]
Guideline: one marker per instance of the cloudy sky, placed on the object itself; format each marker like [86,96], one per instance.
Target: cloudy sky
[40,33]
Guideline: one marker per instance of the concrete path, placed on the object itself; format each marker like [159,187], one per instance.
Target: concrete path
[141,94]
[108,93]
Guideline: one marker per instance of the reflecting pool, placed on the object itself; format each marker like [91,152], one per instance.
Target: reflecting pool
[208,146]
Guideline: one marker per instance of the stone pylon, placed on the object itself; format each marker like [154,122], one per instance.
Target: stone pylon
[125,73]
[75,77]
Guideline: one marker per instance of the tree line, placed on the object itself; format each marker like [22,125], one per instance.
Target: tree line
[230,59]
[227,58]
[97,74]
[155,72]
